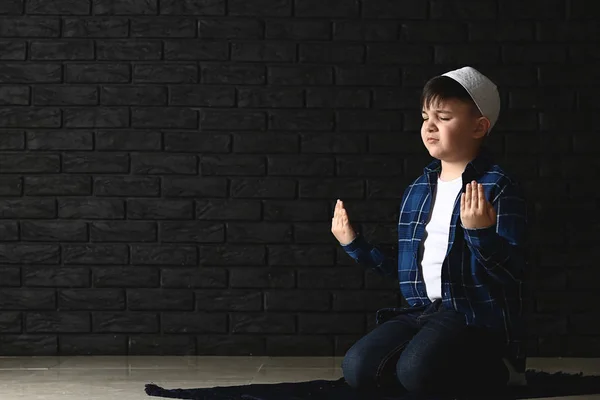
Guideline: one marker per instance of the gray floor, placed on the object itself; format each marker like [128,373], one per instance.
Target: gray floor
[112,377]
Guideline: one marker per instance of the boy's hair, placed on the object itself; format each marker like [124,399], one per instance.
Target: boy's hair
[443,88]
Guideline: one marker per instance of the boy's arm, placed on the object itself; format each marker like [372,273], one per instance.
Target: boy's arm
[500,248]
[366,254]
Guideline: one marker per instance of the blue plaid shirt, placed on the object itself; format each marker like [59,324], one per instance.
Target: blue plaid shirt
[483,269]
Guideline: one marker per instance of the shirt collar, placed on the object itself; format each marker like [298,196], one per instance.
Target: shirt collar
[474,169]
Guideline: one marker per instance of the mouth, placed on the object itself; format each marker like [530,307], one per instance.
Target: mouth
[432,140]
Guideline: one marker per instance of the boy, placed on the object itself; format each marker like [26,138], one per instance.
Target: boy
[461,256]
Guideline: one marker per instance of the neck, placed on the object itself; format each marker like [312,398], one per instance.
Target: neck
[452,169]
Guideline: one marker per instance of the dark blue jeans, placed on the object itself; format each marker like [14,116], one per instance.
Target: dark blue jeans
[429,350]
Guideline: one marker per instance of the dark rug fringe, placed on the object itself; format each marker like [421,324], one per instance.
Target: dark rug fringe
[540,384]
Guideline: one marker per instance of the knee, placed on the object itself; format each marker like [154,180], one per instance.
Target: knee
[356,371]
[414,375]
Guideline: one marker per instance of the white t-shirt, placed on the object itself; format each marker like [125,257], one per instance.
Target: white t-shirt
[437,230]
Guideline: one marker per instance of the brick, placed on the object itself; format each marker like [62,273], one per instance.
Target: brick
[231,74]
[370,120]
[91,208]
[135,50]
[91,299]
[159,117]
[320,188]
[232,165]
[259,233]
[224,209]
[188,95]
[228,300]
[337,98]
[537,53]
[294,120]
[297,300]
[65,96]
[331,323]
[163,164]
[363,300]
[489,31]
[205,142]
[133,95]
[466,10]
[159,299]
[124,322]
[303,165]
[29,163]
[331,53]
[122,231]
[9,230]
[159,209]
[194,187]
[335,8]
[565,31]
[332,143]
[50,322]
[432,32]
[584,323]
[383,53]
[261,277]
[279,210]
[367,75]
[95,254]
[97,73]
[533,9]
[27,299]
[128,140]
[192,231]
[56,276]
[163,255]
[262,188]
[369,166]
[299,255]
[127,276]
[262,323]
[62,50]
[30,73]
[193,277]
[10,322]
[359,30]
[331,278]
[231,345]
[13,50]
[130,7]
[11,276]
[192,49]
[298,346]
[298,30]
[309,75]
[59,7]
[162,345]
[96,162]
[89,345]
[29,345]
[165,73]
[229,29]
[545,98]
[11,140]
[30,117]
[160,27]
[270,98]
[457,54]
[226,119]
[192,7]
[53,231]
[27,208]
[98,117]
[268,142]
[126,186]
[263,52]
[11,7]
[95,27]
[231,255]
[264,8]
[59,140]
[29,27]
[380,9]
[194,322]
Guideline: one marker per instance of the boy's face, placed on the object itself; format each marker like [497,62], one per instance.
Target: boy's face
[451,129]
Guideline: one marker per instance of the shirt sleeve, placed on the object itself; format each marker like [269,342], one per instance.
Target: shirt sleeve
[500,248]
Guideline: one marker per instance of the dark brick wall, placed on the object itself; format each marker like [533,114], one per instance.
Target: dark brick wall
[168,168]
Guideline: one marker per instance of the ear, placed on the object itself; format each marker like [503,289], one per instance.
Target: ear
[481,127]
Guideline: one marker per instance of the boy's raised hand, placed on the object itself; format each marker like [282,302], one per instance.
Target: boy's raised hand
[475,211]
[340,226]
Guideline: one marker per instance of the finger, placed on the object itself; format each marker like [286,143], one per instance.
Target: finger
[481,196]
[468,196]
[474,197]
[462,203]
